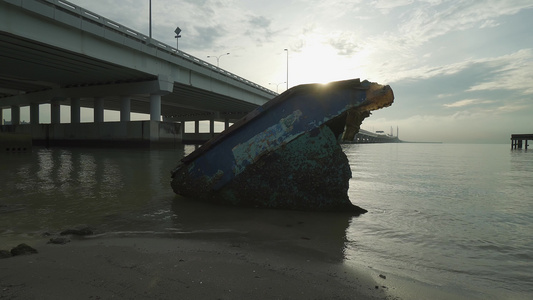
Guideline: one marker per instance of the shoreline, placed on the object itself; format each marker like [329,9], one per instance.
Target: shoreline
[213,252]
[103,267]
[192,265]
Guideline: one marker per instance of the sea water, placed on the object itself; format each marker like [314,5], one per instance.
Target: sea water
[457,217]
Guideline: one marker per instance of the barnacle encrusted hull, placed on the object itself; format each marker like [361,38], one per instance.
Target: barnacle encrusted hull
[286,153]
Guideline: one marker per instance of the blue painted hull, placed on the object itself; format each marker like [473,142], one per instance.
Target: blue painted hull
[285,154]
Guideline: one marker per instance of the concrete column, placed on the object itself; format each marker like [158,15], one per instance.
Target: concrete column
[196,126]
[75,114]
[226,123]
[212,126]
[75,110]
[55,112]
[98,110]
[155,107]
[1,116]
[34,113]
[125,109]
[15,115]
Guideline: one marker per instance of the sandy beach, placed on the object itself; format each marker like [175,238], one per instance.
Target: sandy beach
[209,252]
[141,267]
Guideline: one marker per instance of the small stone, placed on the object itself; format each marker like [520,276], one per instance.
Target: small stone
[23,249]
[382,276]
[59,241]
[5,254]
[81,232]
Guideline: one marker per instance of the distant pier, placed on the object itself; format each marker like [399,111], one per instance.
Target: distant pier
[519,140]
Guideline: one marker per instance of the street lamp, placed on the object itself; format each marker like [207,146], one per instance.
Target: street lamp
[277,84]
[177,31]
[217,57]
[150,13]
[287,67]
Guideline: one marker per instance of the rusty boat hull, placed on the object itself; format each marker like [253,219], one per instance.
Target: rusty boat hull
[286,153]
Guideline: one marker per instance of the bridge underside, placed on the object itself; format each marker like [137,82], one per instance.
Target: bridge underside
[54,52]
[34,73]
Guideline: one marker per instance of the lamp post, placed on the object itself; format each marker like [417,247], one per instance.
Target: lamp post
[217,57]
[287,68]
[150,13]
[277,85]
[177,31]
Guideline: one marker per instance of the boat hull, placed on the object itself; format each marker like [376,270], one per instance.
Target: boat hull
[285,154]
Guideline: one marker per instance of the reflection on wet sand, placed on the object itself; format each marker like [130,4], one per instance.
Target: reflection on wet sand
[127,194]
[317,235]
[51,190]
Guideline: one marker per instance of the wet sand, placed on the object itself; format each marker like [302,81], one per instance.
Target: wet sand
[192,267]
[208,252]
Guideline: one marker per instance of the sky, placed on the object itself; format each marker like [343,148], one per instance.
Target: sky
[461,71]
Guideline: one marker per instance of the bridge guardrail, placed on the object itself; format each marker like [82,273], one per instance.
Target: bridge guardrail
[135,35]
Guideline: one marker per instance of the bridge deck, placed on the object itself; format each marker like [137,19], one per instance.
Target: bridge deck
[55,50]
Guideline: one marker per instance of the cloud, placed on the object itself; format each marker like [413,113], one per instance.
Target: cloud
[468,102]
[511,108]
[435,19]
[444,95]
[259,29]
[206,37]
[489,24]
[510,72]
[415,47]
[306,32]
[259,22]
[385,6]
[344,43]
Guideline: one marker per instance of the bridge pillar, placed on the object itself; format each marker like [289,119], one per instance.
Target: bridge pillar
[212,126]
[196,126]
[1,116]
[55,111]
[15,114]
[226,123]
[155,107]
[98,110]
[34,113]
[75,117]
[125,109]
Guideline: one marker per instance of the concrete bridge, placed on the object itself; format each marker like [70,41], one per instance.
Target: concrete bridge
[364,136]
[52,51]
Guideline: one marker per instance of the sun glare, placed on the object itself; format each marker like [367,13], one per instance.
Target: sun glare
[319,63]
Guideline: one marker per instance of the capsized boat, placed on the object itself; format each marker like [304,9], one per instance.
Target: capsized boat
[286,153]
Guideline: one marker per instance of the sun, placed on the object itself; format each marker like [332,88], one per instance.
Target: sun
[317,63]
